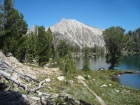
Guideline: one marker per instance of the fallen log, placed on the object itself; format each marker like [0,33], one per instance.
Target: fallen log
[39,86]
[8,77]
[6,67]
[25,87]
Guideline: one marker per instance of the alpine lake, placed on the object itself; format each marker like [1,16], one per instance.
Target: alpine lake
[128,62]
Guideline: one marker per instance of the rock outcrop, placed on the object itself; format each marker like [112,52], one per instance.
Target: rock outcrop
[78,33]
[12,80]
[17,66]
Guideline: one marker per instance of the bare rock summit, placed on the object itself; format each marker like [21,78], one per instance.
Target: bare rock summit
[78,33]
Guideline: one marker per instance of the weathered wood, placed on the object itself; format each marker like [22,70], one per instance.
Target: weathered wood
[8,77]
[39,86]
[6,67]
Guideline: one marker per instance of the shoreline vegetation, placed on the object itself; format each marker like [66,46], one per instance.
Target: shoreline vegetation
[98,81]
[91,87]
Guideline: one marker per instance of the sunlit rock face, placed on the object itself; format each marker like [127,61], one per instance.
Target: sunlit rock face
[78,33]
[33,29]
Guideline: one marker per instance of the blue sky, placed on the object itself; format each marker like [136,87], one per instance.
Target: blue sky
[96,13]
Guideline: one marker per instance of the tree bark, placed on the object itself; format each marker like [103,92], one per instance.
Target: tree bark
[111,67]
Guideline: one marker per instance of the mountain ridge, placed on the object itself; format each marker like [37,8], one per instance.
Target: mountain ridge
[78,33]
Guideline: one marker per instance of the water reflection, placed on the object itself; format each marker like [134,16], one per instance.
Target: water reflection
[98,62]
[79,62]
[129,62]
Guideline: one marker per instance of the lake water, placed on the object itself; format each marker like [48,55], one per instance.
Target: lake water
[128,62]
[132,80]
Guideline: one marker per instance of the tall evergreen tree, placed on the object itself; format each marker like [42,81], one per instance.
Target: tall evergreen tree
[135,38]
[1,24]
[68,66]
[44,45]
[63,48]
[116,41]
[39,46]
[54,47]
[50,43]
[15,27]
[76,48]
[31,47]
[21,50]
[86,59]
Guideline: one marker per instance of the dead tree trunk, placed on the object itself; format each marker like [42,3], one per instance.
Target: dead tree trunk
[6,67]
[8,77]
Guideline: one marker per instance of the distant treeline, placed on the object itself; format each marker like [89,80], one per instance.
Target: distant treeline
[135,38]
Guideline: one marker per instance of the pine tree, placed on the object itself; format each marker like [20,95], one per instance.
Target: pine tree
[135,40]
[1,25]
[86,59]
[44,45]
[21,51]
[63,48]
[68,66]
[116,41]
[31,48]
[49,42]
[54,47]
[14,27]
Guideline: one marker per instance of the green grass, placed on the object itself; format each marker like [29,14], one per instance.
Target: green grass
[114,94]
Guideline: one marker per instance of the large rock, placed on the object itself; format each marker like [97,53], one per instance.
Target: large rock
[80,78]
[61,78]
[13,60]
[17,66]
[2,56]
[28,71]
